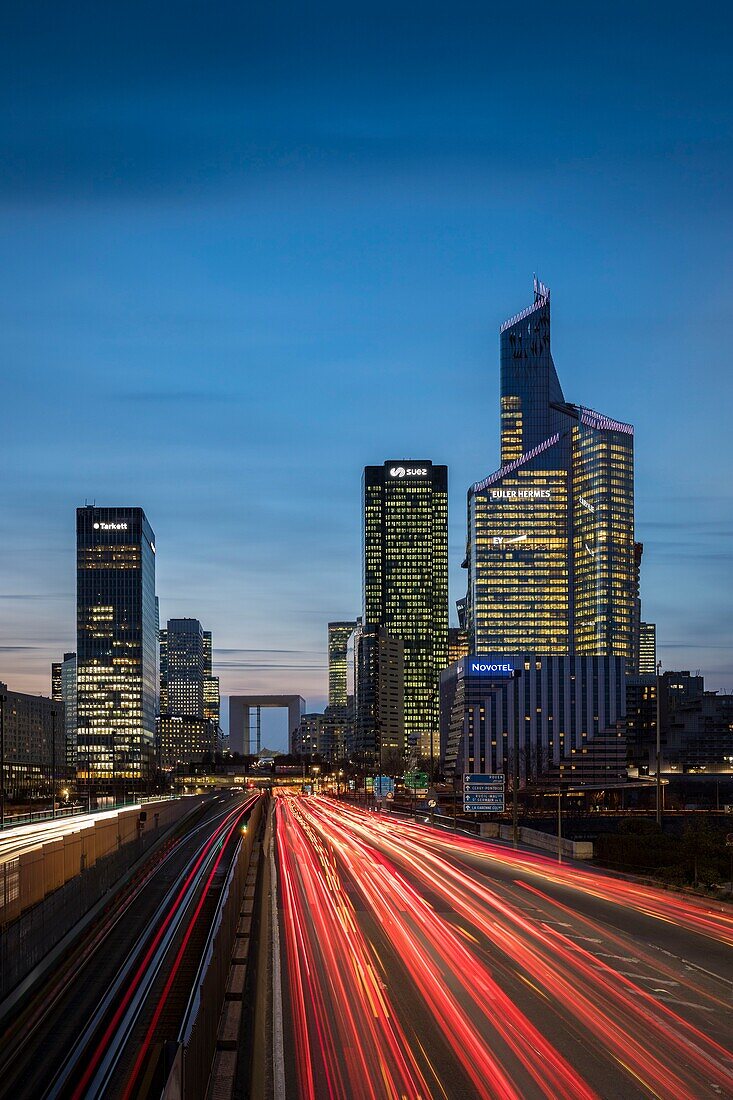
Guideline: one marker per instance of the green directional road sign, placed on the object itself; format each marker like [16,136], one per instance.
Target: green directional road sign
[416,780]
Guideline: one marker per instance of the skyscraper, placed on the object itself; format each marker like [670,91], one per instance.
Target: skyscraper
[182,668]
[212,698]
[550,552]
[405,580]
[117,645]
[647,649]
[379,718]
[63,689]
[457,644]
[338,641]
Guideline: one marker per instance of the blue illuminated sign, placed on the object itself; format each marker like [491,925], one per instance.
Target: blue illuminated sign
[487,666]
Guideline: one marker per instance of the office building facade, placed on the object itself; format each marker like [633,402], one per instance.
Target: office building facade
[212,697]
[457,644]
[338,642]
[307,739]
[544,711]
[379,705]
[405,581]
[550,552]
[34,745]
[182,668]
[185,739]
[117,646]
[63,690]
[647,649]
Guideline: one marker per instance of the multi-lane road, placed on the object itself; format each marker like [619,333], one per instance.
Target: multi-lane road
[423,964]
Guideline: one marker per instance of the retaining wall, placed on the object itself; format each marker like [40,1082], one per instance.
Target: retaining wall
[31,876]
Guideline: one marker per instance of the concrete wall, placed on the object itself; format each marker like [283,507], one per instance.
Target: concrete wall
[574,849]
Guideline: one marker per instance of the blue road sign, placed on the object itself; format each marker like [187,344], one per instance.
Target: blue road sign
[484,808]
[383,785]
[483,781]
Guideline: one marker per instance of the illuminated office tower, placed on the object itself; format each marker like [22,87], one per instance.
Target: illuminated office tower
[647,649]
[550,553]
[457,644]
[405,581]
[212,697]
[117,646]
[338,641]
[182,665]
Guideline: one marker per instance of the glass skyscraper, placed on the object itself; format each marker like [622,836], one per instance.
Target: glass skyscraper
[550,553]
[212,698]
[117,646]
[405,581]
[182,668]
[338,642]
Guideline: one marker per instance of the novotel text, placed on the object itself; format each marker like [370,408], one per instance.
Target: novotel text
[477,665]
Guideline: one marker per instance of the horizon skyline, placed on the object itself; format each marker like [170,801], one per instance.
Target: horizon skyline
[245,674]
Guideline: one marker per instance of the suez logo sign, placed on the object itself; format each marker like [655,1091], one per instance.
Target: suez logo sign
[110,526]
[408,471]
[485,666]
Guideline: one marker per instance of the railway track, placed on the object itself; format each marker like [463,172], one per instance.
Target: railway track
[101,1020]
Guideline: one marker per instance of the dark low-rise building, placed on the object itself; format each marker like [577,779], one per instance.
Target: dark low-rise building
[34,744]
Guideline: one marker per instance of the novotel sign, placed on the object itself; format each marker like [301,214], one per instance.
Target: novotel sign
[487,666]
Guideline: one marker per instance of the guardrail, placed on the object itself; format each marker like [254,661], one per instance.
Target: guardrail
[33,817]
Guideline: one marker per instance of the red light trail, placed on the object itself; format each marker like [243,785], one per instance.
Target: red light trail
[425,964]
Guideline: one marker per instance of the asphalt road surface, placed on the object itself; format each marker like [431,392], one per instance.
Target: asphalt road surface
[422,964]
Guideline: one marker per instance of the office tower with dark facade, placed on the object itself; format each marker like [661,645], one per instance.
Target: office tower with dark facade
[457,644]
[182,668]
[117,646]
[556,719]
[405,580]
[379,721]
[550,555]
[63,689]
[188,725]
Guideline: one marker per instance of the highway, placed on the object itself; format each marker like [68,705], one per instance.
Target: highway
[419,964]
[96,1027]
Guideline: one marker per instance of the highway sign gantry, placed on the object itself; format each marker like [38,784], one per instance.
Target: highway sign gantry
[483,792]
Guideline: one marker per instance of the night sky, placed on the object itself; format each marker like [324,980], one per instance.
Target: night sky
[248,250]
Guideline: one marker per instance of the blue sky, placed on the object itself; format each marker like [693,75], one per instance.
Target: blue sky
[247,252]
